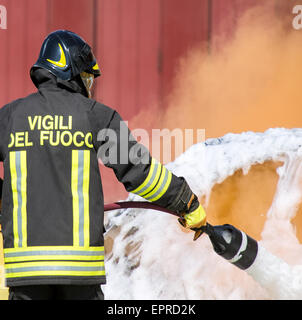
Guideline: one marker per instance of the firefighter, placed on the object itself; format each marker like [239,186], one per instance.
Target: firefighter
[52,204]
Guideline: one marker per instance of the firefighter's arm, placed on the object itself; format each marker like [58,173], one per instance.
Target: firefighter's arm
[143,175]
[4,120]
[146,177]
[4,134]
[174,194]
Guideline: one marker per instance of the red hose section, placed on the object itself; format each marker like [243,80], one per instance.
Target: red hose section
[136,204]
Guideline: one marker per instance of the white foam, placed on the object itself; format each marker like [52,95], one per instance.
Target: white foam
[164,262]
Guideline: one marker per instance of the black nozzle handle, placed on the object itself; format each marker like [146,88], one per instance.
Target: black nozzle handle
[215,234]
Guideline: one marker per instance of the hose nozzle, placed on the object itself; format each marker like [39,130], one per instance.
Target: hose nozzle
[232,244]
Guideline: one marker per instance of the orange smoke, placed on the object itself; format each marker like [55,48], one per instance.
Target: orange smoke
[252,83]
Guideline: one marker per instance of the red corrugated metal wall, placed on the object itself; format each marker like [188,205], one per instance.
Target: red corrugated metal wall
[137,42]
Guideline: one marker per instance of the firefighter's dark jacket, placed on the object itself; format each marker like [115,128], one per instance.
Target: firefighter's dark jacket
[52,201]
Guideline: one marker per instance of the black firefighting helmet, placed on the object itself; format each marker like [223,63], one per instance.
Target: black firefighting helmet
[66,55]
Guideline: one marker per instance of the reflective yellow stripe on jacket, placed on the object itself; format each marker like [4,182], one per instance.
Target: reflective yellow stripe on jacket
[80,193]
[54,260]
[156,183]
[18,171]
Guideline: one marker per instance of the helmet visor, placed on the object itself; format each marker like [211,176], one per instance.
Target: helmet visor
[92,65]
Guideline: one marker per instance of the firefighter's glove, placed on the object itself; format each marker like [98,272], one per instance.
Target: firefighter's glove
[194,218]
